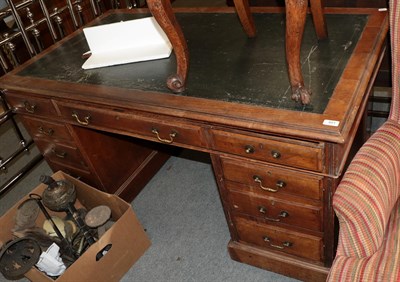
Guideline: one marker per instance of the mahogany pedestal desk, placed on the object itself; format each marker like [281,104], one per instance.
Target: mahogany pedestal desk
[276,163]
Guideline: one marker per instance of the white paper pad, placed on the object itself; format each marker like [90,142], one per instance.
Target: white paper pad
[126,42]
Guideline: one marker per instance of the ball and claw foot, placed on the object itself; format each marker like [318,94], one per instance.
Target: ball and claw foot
[176,84]
[301,94]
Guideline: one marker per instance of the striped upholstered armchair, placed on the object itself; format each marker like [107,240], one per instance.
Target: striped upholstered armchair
[367,201]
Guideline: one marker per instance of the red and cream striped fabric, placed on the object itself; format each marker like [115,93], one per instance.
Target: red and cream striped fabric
[395,45]
[367,201]
[368,207]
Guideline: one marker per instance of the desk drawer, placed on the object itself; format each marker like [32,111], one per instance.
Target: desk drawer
[64,154]
[301,154]
[280,239]
[40,128]
[25,104]
[277,210]
[83,175]
[268,180]
[152,127]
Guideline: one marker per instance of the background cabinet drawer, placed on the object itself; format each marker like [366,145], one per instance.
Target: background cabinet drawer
[40,128]
[25,104]
[65,154]
[83,175]
[264,179]
[154,128]
[276,210]
[280,239]
[299,154]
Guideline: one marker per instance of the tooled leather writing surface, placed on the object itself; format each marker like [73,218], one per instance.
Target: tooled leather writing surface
[225,64]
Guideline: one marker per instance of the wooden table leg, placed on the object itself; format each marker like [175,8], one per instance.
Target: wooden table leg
[162,12]
[243,10]
[319,19]
[296,11]
[295,21]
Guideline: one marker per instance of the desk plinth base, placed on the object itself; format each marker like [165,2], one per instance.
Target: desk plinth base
[277,263]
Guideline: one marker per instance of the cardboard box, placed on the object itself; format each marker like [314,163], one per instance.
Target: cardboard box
[127,238]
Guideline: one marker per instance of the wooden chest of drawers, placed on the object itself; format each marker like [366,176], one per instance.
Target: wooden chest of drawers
[271,204]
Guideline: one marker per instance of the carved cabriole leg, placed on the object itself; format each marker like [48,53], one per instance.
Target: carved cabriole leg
[162,12]
[243,10]
[296,11]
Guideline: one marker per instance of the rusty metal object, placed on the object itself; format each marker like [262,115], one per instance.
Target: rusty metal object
[98,216]
[58,195]
[18,256]
[61,196]
[27,212]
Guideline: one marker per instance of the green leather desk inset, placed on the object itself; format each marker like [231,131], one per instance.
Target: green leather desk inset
[223,64]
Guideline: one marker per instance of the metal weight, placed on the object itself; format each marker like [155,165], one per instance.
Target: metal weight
[97,217]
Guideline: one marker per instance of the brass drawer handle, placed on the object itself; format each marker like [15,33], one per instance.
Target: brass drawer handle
[61,155]
[30,108]
[48,132]
[172,135]
[279,184]
[282,214]
[85,120]
[281,247]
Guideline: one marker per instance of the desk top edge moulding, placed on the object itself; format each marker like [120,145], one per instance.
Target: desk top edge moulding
[295,22]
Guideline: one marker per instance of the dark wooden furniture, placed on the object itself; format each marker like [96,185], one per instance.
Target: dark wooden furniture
[277,163]
[295,20]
